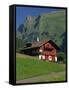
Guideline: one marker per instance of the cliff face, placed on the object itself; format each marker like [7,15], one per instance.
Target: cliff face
[49,26]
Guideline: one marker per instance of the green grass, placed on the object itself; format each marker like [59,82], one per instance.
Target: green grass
[27,67]
[60,76]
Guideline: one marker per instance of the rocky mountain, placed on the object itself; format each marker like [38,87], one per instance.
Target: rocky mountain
[47,26]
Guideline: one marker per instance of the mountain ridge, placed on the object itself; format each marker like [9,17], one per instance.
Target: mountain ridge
[48,26]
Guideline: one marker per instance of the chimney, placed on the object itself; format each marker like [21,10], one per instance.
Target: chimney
[37,39]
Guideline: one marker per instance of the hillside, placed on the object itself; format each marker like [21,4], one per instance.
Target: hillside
[28,67]
[47,26]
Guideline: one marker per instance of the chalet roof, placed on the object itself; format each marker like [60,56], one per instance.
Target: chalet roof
[39,44]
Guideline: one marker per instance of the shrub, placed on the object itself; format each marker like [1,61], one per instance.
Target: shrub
[61,57]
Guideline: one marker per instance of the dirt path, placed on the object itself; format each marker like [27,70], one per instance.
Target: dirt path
[44,78]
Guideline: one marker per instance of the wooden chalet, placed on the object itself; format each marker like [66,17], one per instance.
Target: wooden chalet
[47,50]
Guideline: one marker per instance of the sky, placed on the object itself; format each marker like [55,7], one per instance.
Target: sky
[23,12]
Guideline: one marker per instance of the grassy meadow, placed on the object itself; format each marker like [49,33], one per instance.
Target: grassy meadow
[28,67]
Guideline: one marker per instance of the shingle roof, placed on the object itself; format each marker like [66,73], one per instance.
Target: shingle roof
[39,44]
